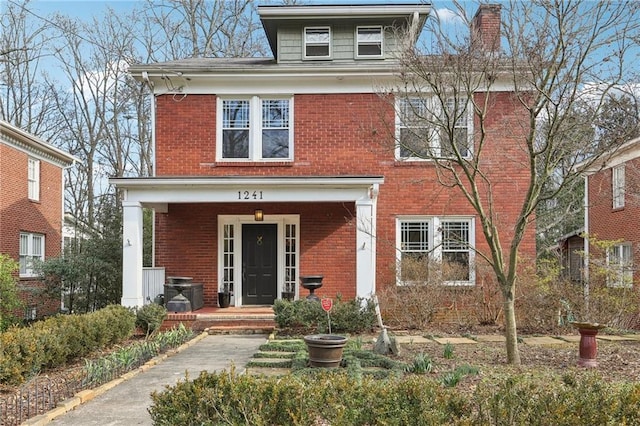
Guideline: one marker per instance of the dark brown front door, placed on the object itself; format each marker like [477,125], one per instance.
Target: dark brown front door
[259,263]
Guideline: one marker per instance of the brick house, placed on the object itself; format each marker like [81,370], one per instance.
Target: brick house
[269,169]
[612,210]
[31,207]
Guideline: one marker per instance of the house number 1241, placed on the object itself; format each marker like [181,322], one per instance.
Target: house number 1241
[249,195]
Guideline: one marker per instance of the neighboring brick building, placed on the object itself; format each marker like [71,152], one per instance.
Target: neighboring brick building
[31,207]
[268,169]
[613,209]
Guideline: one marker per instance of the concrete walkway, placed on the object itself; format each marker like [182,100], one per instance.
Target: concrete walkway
[126,402]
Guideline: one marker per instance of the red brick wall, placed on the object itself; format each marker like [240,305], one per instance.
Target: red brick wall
[609,224]
[18,213]
[336,134]
[189,244]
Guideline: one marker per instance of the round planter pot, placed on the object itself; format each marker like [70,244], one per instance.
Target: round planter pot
[224,300]
[325,350]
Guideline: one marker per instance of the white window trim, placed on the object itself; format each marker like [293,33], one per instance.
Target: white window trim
[359,42]
[237,222]
[255,128]
[622,275]
[618,186]
[33,179]
[329,43]
[28,271]
[435,243]
[400,125]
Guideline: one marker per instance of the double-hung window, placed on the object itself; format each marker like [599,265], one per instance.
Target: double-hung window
[620,260]
[31,248]
[428,130]
[255,129]
[369,42]
[435,249]
[317,42]
[33,179]
[618,186]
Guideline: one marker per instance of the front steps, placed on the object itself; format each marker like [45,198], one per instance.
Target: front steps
[248,320]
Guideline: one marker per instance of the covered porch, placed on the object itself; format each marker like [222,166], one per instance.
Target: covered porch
[285,204]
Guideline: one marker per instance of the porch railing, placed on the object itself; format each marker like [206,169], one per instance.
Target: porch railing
[152,283]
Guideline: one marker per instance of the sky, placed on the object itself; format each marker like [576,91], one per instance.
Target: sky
[85,9]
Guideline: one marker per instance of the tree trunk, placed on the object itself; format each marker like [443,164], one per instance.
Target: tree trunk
[510,330]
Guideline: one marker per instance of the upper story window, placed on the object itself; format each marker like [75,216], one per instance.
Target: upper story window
[618,189]
[369,42]
[427,130]
[436,248]
[255,129]
[33,179]
[31,248]
[317,42]
[620,260]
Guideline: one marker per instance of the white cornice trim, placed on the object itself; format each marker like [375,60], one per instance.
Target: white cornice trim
[336,181]
[626,152]
[287,83]
[341,11]
[32,145]
[162,191]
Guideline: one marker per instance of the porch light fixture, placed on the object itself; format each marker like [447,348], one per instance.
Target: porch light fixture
[258,216]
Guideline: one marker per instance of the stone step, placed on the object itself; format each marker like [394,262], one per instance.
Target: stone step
[238,329]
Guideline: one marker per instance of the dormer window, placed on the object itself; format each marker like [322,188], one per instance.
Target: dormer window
[317,42]
[369,42]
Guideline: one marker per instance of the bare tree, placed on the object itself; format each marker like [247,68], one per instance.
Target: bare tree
[26,100]
[178,29]
[551,67]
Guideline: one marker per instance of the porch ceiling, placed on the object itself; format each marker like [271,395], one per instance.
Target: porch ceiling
[162,190]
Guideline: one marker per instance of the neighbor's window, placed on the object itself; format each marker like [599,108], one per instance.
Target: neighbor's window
[317,42]
[255,129]
[369,42]
[435,248]
[426,129]
[618,189]
[31,248]
[33,179]
[620,260]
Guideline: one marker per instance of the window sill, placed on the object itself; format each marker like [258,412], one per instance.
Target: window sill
[453,285]
[413,163]
[250,164]
[617,209]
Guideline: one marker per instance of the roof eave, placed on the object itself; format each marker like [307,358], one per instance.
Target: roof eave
[37,143]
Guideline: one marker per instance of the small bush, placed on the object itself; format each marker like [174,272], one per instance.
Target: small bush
[58,340]
[308,317]
[149,318]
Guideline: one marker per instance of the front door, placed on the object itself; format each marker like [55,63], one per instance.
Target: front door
[259,264]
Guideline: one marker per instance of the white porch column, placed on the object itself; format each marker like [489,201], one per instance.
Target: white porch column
[132,254]
[366,244]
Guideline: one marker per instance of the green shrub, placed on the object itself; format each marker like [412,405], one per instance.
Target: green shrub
[58,340]
[149,318]
[9,299]
[324,398]
[308,317]
[333,397]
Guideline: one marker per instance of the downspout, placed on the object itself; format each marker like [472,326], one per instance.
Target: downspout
[152,103]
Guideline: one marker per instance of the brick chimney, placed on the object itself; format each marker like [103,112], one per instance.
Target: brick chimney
[485,28]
